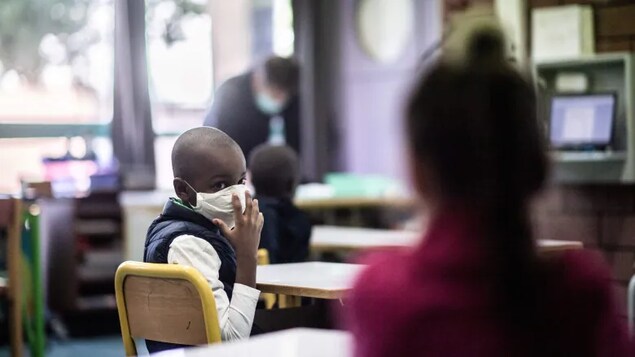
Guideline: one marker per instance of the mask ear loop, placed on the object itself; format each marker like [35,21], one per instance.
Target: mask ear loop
[190,186]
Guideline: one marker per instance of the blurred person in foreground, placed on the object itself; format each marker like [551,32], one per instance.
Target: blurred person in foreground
[475,285]
[275,174]
[259,104]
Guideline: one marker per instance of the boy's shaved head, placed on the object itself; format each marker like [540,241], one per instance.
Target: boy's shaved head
[196,144]
[205,159]
[275,170]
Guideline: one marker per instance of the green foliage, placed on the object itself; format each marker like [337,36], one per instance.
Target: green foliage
[24,23]
[172,26]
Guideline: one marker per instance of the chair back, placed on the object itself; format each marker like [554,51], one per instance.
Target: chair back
[165,302]
[263,259]
[263,256]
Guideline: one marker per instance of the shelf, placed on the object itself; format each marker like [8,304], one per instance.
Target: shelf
[97,302]
[583,61]
[588,156]
[97,227]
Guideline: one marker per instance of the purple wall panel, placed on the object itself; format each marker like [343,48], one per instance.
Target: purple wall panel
[373,94]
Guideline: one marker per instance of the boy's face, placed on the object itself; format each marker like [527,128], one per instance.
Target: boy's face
[214,170]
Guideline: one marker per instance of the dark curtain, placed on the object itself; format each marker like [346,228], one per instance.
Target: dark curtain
[132,134]
[316,26]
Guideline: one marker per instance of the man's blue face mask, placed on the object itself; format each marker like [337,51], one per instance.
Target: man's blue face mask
[267,104]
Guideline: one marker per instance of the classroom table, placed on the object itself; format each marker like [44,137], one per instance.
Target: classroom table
[328,207]
[546,246]
[297,342]
[310,279]
[352,202]
[346,239]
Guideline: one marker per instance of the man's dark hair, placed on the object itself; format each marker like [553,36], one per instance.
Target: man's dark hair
[282,73]
[275,170]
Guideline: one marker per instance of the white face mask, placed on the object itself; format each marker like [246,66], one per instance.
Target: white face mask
[218,205]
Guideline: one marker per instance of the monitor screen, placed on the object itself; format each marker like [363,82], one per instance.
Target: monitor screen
[582,121]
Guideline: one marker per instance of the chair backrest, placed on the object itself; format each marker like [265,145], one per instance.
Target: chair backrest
[165,302]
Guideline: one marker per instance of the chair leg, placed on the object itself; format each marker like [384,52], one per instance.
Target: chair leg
[287,301]
[129,346]
[631,307]
[269,299]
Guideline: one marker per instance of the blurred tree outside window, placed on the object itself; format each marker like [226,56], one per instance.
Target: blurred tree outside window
[179,52]
[56,59]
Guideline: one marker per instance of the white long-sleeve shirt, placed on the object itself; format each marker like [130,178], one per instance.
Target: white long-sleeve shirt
[235,317]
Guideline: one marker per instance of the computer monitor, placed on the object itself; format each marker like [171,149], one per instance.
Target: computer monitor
[582,122]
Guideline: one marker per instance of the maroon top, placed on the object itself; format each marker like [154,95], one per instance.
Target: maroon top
[438,300]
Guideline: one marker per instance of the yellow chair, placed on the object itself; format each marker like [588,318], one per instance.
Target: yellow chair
[263,259]
[165,302]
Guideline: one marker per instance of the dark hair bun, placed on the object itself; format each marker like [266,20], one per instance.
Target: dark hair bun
[486,45]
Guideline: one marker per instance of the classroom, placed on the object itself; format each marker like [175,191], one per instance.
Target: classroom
[304,178]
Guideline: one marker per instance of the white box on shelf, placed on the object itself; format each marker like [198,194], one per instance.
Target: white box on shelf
[562,32]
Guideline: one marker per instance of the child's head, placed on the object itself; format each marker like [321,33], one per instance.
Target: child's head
[275,171]
[472,129]
[206,160]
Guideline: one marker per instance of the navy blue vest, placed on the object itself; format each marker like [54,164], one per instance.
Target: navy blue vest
[177,220]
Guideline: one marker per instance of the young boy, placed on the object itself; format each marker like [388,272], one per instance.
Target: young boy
[213,226]
[287,230]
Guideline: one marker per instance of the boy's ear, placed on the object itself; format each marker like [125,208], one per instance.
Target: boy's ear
[183,191]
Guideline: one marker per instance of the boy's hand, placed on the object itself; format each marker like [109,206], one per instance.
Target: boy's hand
[245,236]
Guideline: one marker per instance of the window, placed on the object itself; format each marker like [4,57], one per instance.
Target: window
[56,61]
[188,58]
[283,35]
[179,48]
[56,69]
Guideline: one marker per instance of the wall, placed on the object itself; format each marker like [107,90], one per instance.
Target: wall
[602,217]
[372,94]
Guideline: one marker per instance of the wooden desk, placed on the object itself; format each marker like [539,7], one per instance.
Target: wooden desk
[312,279]
[139,209]
[547,246]
[347,239]
[327,208]
[353,203]
[298,342]
[337,239]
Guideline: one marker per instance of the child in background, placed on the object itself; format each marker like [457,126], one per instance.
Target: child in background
[213,226]
[475,285]
[275,173]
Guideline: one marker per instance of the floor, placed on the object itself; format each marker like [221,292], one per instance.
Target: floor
[110,346]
